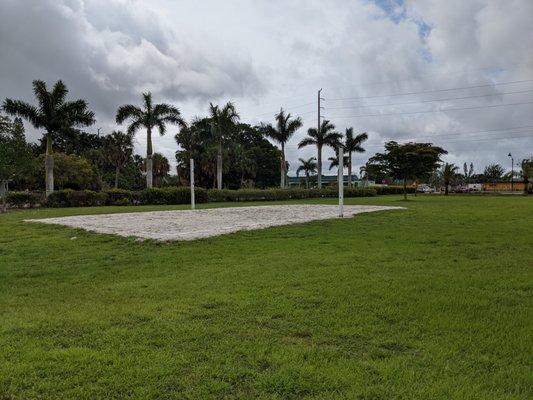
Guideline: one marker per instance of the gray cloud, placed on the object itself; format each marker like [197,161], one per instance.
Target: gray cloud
[190,53]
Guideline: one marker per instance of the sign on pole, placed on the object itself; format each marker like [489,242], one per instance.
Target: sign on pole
[341,181]
[191,162]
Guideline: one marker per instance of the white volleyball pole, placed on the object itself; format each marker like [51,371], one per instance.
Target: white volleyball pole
[191,162]
[341,181]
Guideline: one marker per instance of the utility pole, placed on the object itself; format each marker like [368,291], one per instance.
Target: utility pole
[340,155]
[319,158]
[191,162]
[512,172]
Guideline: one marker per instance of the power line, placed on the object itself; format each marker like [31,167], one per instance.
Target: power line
[434,111]
[431,91]
[431,101]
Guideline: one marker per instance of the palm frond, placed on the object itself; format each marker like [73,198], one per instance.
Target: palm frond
[59,92]
[147,98]
[308,141]
[128,111]
[41,94]
[24,110]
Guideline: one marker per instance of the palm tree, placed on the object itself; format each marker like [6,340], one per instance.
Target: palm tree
[54,115]
[334,161]
[222,121]
[281,133]
[161,168]
[149,117]
[353,144]
[326,136]
[448,174]
[309,167]
[117,151]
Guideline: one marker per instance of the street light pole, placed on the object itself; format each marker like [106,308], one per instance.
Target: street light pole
[512,172]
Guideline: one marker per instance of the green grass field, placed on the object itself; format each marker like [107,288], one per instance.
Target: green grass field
[432,302]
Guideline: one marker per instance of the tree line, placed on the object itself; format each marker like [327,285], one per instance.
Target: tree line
[227,152]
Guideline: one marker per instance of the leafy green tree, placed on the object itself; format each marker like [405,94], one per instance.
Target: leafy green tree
[222,123]
[526,171]
[15,154]
[150,117]
[54,115]
[70,172]
[449,171]
[325,136]
[353,144]
[308,167]
[409,161]
[117,151]
[493,173]
[285,128]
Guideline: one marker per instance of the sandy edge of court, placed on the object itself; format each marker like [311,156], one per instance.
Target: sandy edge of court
[202,223]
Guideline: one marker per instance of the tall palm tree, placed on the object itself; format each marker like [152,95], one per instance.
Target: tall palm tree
[281,133]
[326,136]
[309,167]
[448,174]
[54,115]
[117,151]
[352,144]
[222,121]
[149,117]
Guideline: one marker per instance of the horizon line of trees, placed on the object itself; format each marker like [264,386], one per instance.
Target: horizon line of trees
[221,145]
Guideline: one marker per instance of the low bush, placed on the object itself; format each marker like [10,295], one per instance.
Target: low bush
[119,197]
[171,195]
[215,195]
[76,198]
[23,199]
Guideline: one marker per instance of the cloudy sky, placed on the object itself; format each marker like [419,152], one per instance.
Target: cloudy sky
[457,73]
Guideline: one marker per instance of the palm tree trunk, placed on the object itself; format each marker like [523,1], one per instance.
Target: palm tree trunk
[149,160]
[219,165]
[349,169]
[405,188]
[283,165]
[446,184]
[49,166]
[3,195]
[307,179]
[117,171]
[319,166]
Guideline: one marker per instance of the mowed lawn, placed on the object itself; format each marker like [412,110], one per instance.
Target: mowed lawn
[431,302]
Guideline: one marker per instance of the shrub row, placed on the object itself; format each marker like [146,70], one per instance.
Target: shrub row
[392,189]
[23,199]
[121,197]
[215,195]
[173,195]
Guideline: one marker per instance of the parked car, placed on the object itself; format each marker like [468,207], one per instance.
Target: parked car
[425,189]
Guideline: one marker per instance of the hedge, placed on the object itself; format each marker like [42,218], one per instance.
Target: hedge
[216,195]
[76,198]
[172,195]
[181,195]
[23,199]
